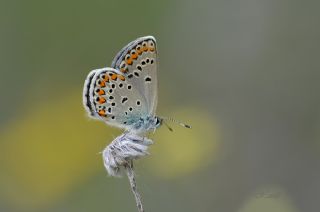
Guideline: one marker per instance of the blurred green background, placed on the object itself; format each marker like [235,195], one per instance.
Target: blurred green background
[245,74]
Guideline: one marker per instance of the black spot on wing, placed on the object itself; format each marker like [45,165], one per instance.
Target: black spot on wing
[124,99]
[148,79]
[132,45]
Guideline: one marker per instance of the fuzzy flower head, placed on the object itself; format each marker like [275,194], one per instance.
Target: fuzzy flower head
[124,149]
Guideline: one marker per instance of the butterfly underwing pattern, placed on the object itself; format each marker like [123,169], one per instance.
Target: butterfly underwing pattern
[125,94]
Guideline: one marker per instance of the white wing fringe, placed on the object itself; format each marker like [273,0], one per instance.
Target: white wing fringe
[124,149]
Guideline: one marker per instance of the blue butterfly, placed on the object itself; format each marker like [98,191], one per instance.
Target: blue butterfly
[125,94]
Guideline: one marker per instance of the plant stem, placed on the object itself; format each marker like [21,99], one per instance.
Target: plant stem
[133,184]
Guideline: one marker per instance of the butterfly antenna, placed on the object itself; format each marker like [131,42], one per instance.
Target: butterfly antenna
[169,128]
[177,122]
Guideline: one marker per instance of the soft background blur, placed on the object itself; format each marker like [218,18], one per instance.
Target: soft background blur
[245,74]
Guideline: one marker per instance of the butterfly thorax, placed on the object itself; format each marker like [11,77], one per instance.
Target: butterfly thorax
[145,124]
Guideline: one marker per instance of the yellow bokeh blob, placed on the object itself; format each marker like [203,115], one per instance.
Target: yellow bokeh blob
[184,151]
[48,152]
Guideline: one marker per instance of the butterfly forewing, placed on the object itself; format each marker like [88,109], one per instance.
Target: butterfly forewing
[138,61]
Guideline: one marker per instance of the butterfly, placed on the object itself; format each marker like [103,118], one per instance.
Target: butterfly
[125,94]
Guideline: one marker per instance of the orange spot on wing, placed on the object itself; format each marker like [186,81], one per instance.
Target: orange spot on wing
[124,70]
[102,100]
[102,83]
[134,56]
[151,46]
[101,92]
[129,61]
[114,76]
[121,77]
[139,51]
[145,48]
[102,113]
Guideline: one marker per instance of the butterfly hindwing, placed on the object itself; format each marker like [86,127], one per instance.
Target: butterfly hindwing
[110,96]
